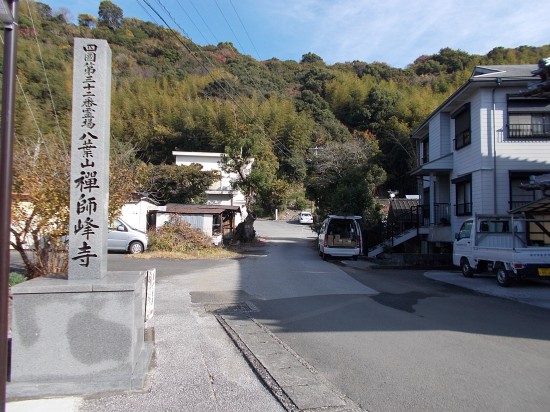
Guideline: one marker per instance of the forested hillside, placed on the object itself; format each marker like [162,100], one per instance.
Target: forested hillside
[169,93]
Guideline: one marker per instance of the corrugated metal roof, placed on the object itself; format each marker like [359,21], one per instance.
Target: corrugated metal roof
[200,209]
[538,206]
[400,204]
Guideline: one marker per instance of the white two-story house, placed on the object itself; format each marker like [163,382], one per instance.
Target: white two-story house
[220,193]
[478,148]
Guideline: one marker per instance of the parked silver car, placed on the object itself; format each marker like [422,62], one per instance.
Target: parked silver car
[124,238]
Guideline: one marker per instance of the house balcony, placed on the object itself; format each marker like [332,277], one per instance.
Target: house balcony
[218,188]
[441,215]
[436,222]
[440,166]
[520,131]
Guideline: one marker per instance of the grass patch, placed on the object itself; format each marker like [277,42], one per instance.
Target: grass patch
[178,240]
[16,278]
[209,253]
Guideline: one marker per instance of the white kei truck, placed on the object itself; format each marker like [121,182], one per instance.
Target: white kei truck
[513,247]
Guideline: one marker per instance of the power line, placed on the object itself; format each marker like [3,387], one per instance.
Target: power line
[196,58]
[247,111]
[46,77]
[245,30]
[147,11]
[192,22]
[229,25]
[206,24]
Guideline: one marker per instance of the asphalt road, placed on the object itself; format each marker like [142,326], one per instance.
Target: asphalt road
[395,340]
[414,343]
[390,340]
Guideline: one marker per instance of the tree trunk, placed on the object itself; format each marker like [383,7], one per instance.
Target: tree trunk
[245,230]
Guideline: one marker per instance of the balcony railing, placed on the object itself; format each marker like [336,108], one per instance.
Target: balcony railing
[541,130]
[463,209]
[441,214]
[217,186]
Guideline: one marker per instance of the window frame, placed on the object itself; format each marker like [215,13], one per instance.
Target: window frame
[463,194]
[528,117]
[463,126]
[425,149]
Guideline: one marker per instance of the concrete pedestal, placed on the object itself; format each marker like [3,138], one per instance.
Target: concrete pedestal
[79,336]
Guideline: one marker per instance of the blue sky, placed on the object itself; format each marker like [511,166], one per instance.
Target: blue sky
[392,31]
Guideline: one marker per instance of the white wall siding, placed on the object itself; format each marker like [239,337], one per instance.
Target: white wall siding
[440,136]
[466,161]
[485,203]
[435,138]
[444,134]
[209,161]
[135,214]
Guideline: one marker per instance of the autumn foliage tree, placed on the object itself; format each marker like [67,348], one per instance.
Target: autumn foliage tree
[40,206]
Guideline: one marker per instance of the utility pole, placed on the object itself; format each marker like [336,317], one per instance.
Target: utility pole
[9,15]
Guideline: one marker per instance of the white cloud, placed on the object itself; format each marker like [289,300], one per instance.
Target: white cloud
[391,31]
[398,31]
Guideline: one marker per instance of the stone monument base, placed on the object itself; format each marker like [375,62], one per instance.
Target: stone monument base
[79,336]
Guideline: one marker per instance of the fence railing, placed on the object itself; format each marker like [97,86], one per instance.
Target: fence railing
[537,130]
[415,218]
[441,214]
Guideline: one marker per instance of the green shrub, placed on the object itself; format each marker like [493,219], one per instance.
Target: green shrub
[302,203]
[16,278]
[298,201]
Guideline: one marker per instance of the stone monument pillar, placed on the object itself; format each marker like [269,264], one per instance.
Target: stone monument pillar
[83,334]
[90,159]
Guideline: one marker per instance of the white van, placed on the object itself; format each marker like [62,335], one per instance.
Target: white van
[340,236]
[124,238]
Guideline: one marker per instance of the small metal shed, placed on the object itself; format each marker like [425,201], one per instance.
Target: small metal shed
[213,220]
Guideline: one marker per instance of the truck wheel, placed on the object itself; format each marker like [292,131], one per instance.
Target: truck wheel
[503,278]
[467,270]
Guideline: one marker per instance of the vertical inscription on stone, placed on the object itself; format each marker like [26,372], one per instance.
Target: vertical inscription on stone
[90,159]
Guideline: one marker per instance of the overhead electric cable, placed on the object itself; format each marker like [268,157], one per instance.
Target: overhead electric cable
[206,24]
[199,60]
[245,30]
[192,22]
[169,14]
[248,113]
[46,76]
[229,25]
[250,77]
[41,140]
[27,101]
[147,11]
